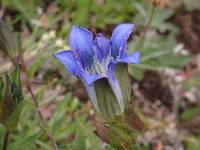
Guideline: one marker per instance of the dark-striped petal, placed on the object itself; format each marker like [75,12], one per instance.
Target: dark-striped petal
[66,57]
[102,47]
[81,40]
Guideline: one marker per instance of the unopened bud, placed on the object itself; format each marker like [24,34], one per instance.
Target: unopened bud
[11,99]
[112,96]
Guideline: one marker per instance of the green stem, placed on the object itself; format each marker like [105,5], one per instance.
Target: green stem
[35,101]
[5,140]
[141,43]
[123,146]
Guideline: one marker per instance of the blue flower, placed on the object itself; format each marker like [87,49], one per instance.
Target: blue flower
[92,58]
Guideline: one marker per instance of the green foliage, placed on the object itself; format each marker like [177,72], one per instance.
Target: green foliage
[157,50]
[70,119]
[193,143]
[189,114]
[8,41]
[25,142]
[141,147]
[23,13]
[80,141]
[119,135]
[194,81]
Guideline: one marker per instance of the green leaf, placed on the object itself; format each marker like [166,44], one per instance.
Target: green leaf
[13,119]
[38,62]
[141,147]
[193,144]
[25,142]
[137,73]
[119,135]
[8,42]
[189,113]
[1,88]
[108,147]
[80,144]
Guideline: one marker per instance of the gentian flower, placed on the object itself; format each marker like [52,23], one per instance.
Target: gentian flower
[100,64]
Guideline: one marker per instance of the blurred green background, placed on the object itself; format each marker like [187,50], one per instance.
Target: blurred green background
[165,85]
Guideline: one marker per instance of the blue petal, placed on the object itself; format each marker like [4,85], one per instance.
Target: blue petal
[68,60]
[102,46]
[115,86]
[81,40]
[88,79]
[92,95]
[111,70]
[133,58]
[119,38]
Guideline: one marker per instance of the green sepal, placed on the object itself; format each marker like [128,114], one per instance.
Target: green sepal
[120,135]
[120,132]
[106,100]
[122,75]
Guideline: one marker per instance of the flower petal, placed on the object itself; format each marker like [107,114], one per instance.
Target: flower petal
[88,79]
[133,58]
[114,84]
[102,46]
[81,40]
[68,60]
[119,38]
[92,95]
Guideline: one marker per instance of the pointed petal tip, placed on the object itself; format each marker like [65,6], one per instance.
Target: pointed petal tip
[90,79]
[79,37]
[133,58]
[67,59]
[125,26]
[76,27]
[119,38]
[61,53]
[102,46]
[80,30]
[137,56]
[81,40]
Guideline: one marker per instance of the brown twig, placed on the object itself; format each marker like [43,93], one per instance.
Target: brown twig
[5,140]
[42,120]
[123,146]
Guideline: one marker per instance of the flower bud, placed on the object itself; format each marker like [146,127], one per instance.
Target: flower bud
[11,99]
[112,96]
